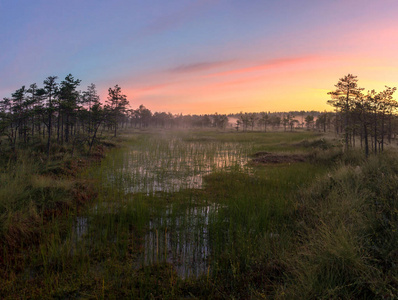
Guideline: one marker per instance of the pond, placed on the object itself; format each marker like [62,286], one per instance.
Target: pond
[172,164]
[155,165]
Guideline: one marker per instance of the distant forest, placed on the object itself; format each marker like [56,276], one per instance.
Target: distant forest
[59,112]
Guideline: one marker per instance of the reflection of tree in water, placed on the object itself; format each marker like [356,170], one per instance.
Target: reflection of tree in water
[180,238]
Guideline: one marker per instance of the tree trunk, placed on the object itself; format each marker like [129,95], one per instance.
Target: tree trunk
[49,133]
[365,129]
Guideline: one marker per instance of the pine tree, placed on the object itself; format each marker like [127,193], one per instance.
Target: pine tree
[117,105]
[343,98]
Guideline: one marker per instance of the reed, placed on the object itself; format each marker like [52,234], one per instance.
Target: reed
[186,214]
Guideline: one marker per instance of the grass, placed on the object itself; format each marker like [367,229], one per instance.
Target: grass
[181,214]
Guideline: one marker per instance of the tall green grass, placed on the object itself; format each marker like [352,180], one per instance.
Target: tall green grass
[182,214]
[223,229]
[348,223]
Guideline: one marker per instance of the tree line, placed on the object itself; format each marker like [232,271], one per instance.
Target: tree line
[58,112]
[369,117]
[310,120]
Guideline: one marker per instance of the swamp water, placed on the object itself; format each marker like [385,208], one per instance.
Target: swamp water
[155,165]
[172,165]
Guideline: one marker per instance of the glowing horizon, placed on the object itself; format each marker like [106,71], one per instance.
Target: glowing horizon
[204,56]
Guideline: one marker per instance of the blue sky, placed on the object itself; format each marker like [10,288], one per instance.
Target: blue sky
[202,56]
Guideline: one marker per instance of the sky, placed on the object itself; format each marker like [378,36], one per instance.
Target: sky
[202,56]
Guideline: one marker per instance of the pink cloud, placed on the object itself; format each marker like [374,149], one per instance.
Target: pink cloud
[201,66]
[274,63]
[145,90]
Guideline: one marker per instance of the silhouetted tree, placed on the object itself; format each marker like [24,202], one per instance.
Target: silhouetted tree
[68,97]
[343,99]
[117,105]
[368,115]
[50,88]
[309,121]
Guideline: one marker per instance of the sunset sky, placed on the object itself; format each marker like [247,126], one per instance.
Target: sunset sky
[202,56]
